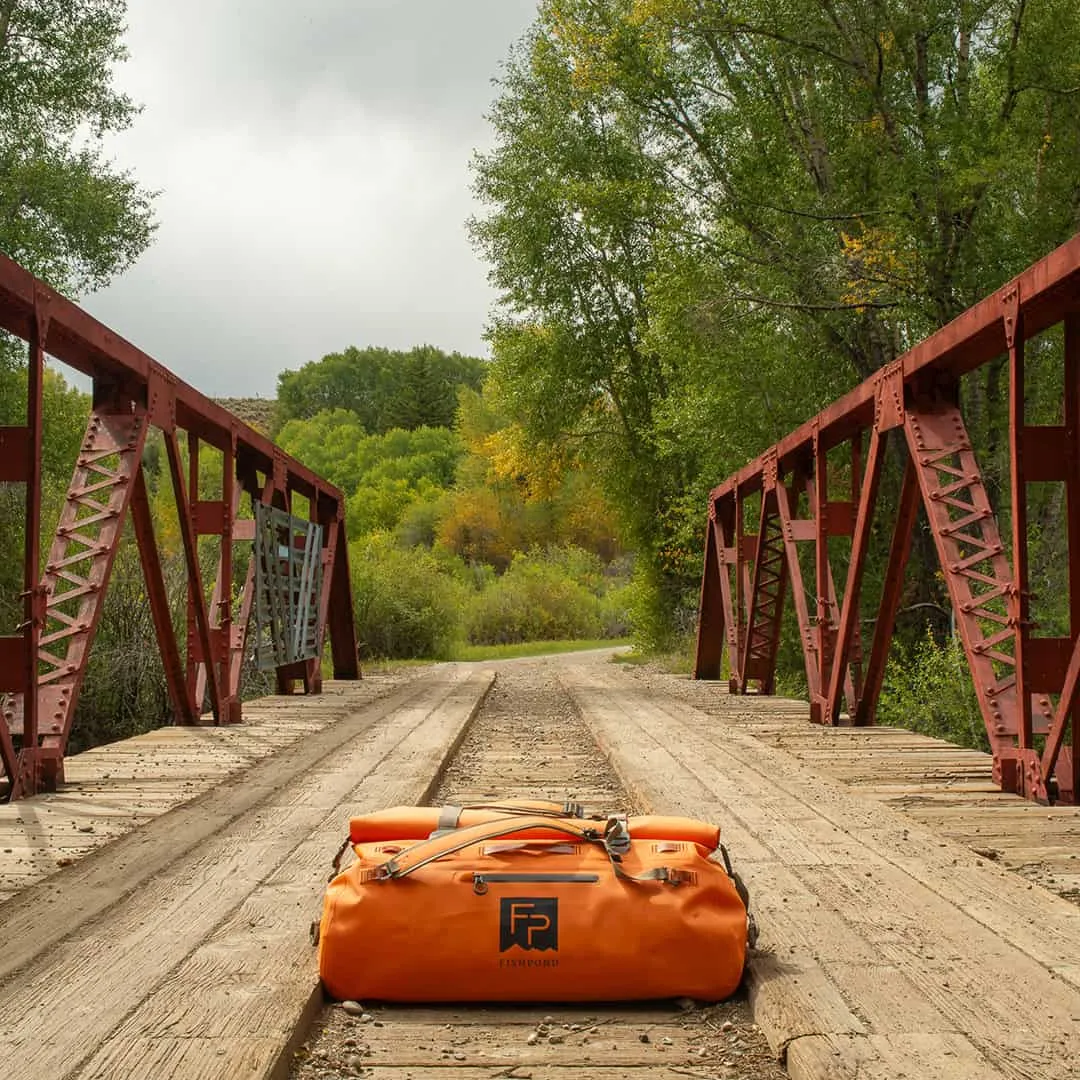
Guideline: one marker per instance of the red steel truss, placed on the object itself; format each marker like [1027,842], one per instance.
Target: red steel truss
[42,666]
[1026,683]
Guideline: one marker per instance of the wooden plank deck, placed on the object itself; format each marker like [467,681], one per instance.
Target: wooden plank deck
[945,787]
[181,949]
[887,949]
[897,940]
[112,789]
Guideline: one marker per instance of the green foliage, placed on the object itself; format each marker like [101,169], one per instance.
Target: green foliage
[419,522]
[552,594]
[64,412]
[928,689]
[381,388]
[125,692]
[482,653]
[383,475]
[406,606]
[706,221]
[66,212]
[535,600]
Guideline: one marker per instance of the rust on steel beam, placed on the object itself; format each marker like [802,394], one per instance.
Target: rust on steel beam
[766,603]
[42,666]
[1027,685]
[709,655]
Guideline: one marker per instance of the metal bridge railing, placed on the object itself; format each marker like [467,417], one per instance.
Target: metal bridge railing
[43,664]
[780,504]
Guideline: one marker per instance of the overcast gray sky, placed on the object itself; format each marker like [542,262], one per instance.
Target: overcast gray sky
[312,159]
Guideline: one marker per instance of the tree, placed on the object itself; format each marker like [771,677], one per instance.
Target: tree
[384,388]
[575,233]
[66,213]
[707,219]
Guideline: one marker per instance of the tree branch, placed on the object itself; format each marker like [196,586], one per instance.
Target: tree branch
[7,8]
[792,305]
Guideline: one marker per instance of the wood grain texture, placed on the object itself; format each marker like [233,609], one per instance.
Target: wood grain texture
[842,884]
[113,789]
[208,950]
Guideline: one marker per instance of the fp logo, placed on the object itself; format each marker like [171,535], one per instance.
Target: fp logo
[528,922]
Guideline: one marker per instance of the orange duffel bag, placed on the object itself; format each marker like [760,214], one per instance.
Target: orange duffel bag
[533,907]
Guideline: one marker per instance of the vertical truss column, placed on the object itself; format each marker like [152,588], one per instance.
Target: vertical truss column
[766,599]
[719,628]
[862,697]
[221,518]
[81,559]
[848,626]
[709,647]
[184,710]
[825,598]
[1029,772]
[745,555]
[1045,666]
[977,571]
[199,633]
[1061,755]
[20,462]
[796,530]
[336,611]
[885,625]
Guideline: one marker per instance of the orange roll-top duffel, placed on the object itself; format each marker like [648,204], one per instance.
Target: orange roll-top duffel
[533,908]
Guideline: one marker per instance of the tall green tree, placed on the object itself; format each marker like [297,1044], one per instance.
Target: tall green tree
[66,212]
[756,203]
[576,229]
[384,388]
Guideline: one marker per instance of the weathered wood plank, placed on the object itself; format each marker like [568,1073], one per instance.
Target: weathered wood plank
[131,781]
[84,987]
[984,953]
[255,972]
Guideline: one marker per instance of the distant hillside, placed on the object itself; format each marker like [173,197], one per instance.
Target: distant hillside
[258,412]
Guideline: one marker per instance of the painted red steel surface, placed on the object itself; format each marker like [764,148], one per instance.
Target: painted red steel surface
[42,666]
[1027,684]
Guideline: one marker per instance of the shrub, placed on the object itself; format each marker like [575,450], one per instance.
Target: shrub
[419,523]
[615,613]
[406,607]
[535,600]
[928,689]
[125,692]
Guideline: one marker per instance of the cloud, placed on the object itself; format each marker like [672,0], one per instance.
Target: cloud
[313,164]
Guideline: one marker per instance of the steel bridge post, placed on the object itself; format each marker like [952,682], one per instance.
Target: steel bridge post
[795,530]
[711,629]
[183,706]
[765,602]
[81,559]
[20,462]
[848,628]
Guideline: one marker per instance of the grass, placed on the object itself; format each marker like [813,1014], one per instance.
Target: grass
[677,660]
[384,666]
[531,648]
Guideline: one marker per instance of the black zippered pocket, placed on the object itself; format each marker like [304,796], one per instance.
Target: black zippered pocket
[481,879]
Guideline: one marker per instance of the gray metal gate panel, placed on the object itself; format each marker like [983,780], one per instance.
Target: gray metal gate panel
[288,583]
